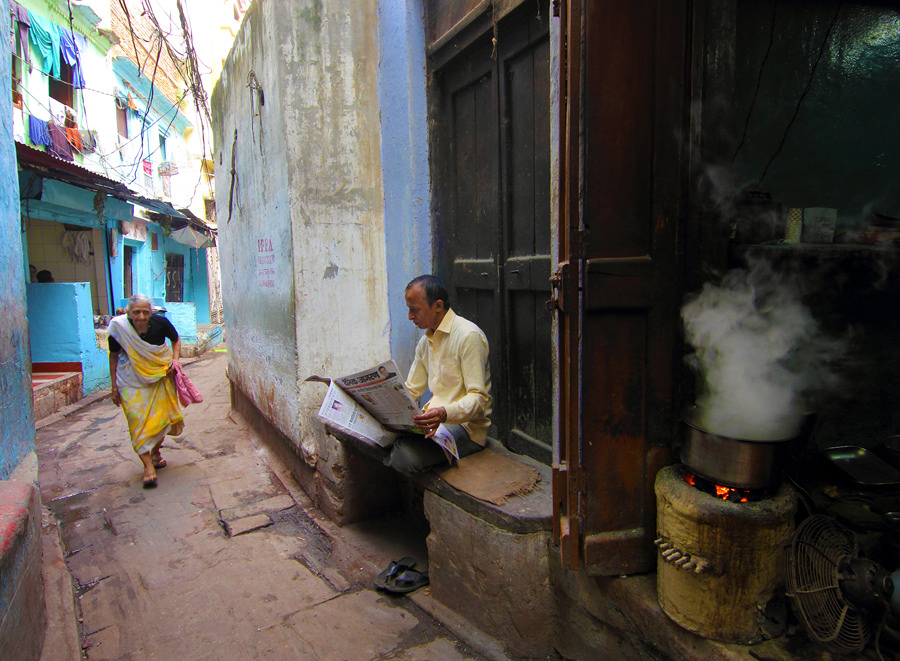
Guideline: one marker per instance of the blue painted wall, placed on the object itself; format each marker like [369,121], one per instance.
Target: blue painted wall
[184,317]
[16,411]
[149,271]
[404,156]
[61,325]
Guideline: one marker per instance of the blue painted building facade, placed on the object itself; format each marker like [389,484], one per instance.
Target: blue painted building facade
[98,212]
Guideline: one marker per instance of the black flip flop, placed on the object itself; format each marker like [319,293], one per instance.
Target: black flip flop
[408,581]
[395,568]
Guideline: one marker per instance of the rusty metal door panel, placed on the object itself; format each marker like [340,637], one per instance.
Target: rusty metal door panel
[623,162]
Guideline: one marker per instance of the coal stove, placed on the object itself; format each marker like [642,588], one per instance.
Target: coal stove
[720,569]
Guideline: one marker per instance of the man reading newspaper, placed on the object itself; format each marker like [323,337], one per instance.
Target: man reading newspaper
[452,362]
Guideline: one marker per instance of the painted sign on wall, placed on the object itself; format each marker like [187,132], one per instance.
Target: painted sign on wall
[265,263]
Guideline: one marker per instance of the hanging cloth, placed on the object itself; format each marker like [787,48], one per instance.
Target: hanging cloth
[20,14]
[45,37]
[74,138]
[70,54]
[57,111]
[37,131]
[81,44]
[59,145]
[18,125]
[88,141]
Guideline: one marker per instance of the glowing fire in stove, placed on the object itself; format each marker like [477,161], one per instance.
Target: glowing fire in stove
[725,493]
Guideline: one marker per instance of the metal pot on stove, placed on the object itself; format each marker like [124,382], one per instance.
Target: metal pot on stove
[741,463]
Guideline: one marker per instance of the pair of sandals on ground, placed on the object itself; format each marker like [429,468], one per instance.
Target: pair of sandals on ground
[400,577]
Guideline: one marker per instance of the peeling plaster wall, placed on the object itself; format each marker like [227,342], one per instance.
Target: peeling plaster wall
[16,412]
[303,252]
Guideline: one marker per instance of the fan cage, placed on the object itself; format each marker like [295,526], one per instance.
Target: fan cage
[819,548]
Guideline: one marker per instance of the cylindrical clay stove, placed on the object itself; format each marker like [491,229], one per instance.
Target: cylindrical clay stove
[720,563]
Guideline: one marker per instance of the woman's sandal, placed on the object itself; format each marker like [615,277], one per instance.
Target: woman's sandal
[158,462]
[149,482]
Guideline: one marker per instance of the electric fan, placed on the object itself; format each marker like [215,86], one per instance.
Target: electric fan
[838,596]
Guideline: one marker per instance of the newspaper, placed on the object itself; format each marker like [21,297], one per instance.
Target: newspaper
[374,406]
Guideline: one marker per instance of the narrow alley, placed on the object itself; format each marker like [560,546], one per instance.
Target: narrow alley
[225,559]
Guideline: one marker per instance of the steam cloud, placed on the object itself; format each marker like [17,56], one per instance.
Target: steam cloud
[758,351]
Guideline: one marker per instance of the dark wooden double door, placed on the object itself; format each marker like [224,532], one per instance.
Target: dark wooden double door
[492,184]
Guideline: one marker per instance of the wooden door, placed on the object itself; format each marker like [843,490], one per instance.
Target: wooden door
[493,214]
[623,121]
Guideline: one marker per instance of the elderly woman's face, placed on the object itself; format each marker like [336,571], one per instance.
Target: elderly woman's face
[139,314]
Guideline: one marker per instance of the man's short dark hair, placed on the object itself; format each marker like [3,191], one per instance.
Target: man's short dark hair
[433,287]
[44,276]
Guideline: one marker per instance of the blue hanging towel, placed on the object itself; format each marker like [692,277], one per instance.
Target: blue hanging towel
[81,44]
[37,131]
[70,53]
[45,37]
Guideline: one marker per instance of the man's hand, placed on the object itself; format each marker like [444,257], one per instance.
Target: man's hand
[429,420]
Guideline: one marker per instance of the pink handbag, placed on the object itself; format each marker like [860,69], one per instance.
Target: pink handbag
[187,391]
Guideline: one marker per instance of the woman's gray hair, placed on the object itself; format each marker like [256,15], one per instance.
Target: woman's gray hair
[139,298]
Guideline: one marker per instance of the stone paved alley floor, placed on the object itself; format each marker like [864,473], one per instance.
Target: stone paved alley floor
[225,559]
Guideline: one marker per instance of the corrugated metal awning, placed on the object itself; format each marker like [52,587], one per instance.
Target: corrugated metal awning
[52,167]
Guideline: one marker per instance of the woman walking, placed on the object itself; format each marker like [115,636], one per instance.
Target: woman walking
[140,365]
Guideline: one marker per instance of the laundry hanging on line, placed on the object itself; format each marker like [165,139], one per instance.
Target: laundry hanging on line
[20,14]
[38,131]
[59,144]
[55,44]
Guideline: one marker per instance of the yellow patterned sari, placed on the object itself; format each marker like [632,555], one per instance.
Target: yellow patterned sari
[149,399]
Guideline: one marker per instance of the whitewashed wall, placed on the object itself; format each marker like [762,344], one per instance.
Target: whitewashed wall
[303,254]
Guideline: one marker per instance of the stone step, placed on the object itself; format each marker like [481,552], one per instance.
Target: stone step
[55,390]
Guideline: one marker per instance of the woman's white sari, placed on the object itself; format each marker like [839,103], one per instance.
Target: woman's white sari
[149,399]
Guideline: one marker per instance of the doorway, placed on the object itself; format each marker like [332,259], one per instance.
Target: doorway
[128,275]
[492,211]
[174,277]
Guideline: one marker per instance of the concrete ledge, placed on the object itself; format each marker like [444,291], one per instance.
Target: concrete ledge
[532,512]
[620,617]
[496,578]
[54,395]
[488,563]
[23,618]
